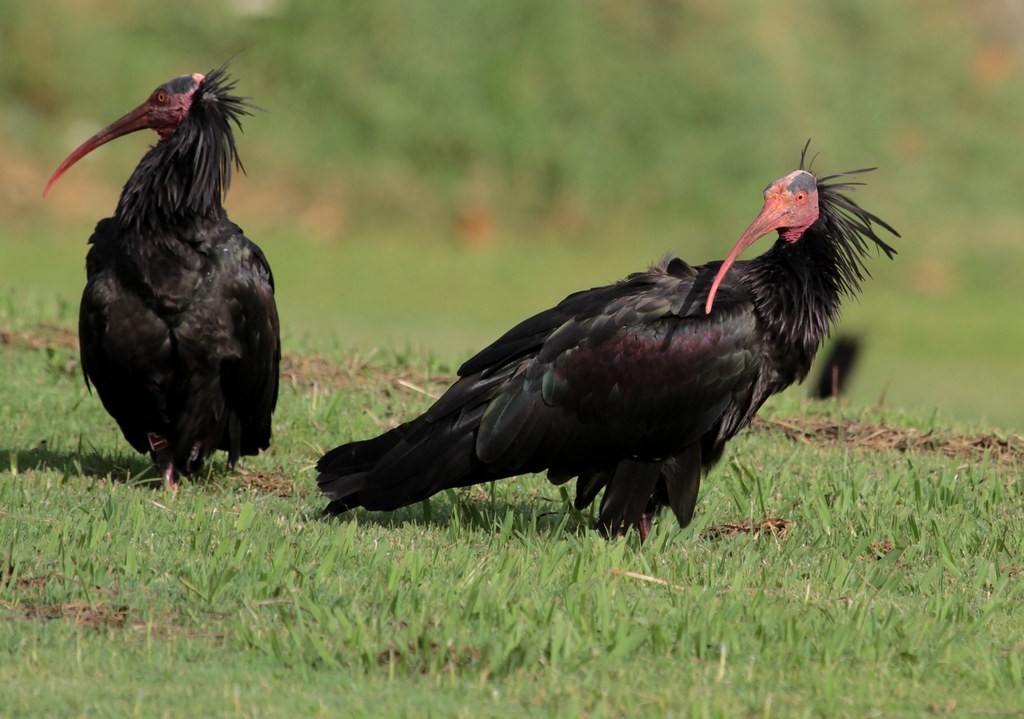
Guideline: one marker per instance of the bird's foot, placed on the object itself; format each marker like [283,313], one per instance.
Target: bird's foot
[642,527]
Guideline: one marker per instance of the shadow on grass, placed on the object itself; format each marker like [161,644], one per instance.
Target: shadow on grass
[137,470]
[537,517]
[80,462]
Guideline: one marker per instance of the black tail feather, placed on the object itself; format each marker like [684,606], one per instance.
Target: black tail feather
[587,487]
[681,475]
[405,465]
[624,505]
[344,469]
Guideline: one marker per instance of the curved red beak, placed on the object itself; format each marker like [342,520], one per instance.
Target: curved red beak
[770,218]
[137,119]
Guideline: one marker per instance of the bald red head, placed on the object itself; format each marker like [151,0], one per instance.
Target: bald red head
[790,206]
[164,111]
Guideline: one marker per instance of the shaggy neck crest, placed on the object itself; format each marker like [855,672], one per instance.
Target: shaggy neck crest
[800,285]
[186,176]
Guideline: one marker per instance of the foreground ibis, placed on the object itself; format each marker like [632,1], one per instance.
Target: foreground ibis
[178,326]
[633,388]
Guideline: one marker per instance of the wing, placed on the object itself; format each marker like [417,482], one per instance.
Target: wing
[622,386]
[125,347]
[250,371]
[632,370]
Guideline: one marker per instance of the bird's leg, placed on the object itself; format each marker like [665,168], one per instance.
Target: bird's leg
[164,458]
[170,481]
[235,439]
[644,525]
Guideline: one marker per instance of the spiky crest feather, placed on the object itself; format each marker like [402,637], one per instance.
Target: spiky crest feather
[828,262]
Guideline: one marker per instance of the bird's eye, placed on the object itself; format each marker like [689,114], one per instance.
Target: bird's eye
[801,196]
[161,96]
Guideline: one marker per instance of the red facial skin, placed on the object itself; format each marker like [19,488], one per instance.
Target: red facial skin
[163,112]
[790,206]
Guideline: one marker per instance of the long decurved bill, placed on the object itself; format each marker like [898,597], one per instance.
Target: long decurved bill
[769,219]
[134,121]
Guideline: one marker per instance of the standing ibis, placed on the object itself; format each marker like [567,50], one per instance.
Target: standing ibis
[178,327]
[633,388]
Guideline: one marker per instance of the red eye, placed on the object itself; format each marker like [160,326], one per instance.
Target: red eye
[800,196]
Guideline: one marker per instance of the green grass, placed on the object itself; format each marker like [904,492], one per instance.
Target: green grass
[895,590]
[592,137]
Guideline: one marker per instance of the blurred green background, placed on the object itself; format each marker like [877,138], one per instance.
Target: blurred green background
[429,172]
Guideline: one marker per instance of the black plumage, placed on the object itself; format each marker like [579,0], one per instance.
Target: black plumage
[178,324]
[633,388]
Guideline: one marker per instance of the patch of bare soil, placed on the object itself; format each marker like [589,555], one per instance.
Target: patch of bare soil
[105,616]
[30,582]
[776,526]
[8,580]
[276,483]
[311,371]
[883,438]
[86,614]
[455,656]
[42,336]
[97,616]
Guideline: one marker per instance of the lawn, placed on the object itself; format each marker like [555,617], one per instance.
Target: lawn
[426,175]
[884,577]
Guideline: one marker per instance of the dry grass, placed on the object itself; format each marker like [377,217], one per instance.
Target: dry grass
[80,613]
[276,483]
[96,614]
[42,336]
[775,526]
[885,438]
[315,372]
